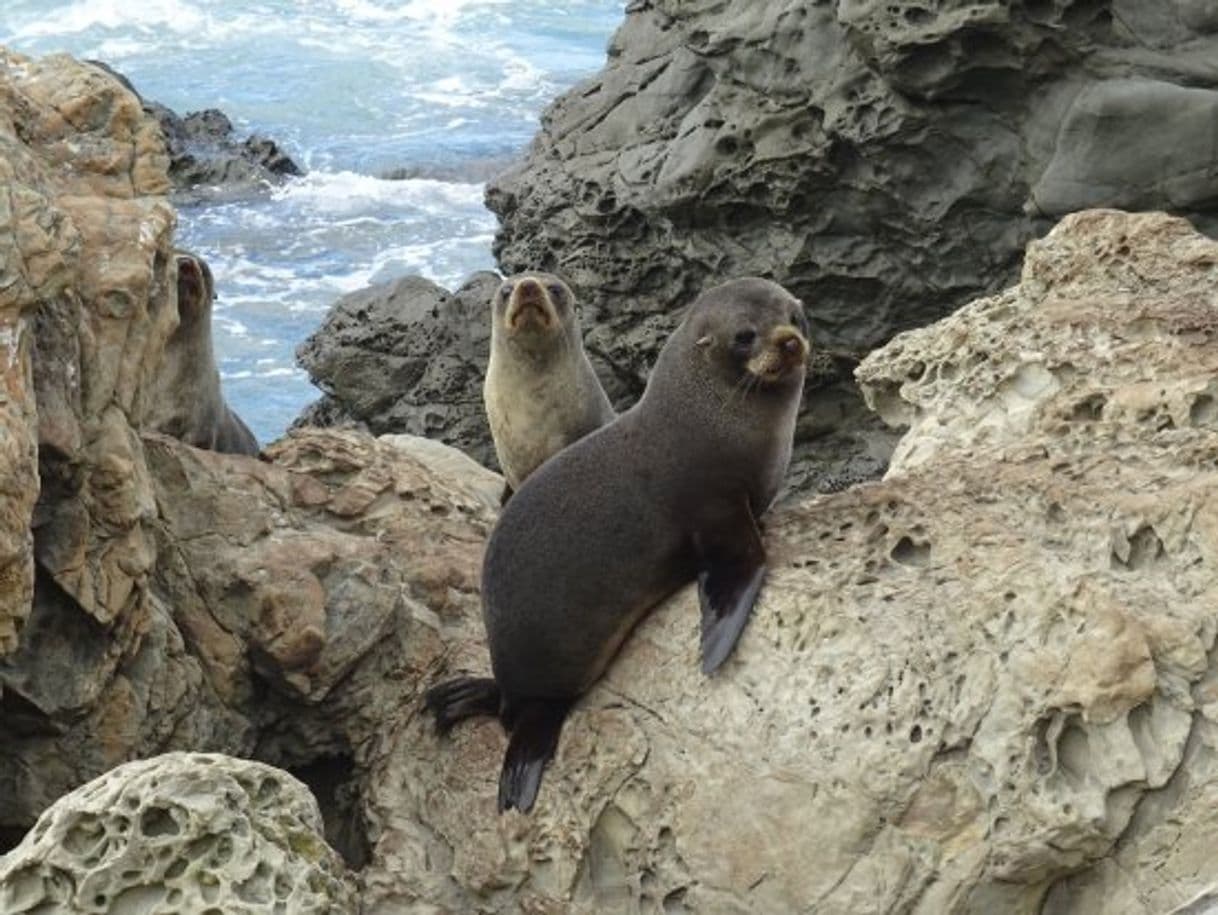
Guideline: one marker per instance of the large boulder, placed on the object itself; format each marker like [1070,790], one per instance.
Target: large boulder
[406,356]
[885,159]
[183,832]
[984,683]
[88,311]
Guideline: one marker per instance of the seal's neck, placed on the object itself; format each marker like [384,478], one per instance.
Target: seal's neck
[535,351]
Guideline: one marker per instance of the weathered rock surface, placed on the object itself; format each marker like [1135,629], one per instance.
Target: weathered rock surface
[406,356]
[87,310]
[183,832]
[85,231]
[982,684]
[887,161]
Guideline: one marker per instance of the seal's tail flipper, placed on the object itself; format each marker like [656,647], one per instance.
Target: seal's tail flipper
[535,733]
[462,698]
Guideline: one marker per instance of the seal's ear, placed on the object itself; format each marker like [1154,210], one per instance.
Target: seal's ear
[705,341]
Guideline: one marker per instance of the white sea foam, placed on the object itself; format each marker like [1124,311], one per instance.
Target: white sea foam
[343,193]
[112,14]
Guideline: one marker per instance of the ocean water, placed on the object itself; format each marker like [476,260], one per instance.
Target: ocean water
[445,91]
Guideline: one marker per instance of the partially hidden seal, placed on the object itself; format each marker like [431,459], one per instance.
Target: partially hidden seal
[541,393]
[188,403]
[668,492]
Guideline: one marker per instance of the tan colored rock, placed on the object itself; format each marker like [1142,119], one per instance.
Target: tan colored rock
[962,685]
[1106,335]
[179,833]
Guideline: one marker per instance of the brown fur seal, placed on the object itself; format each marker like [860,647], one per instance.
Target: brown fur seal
[188,402]
[668,492]
[541,393]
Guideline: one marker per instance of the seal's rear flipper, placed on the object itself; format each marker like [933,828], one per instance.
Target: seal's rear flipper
[733,566]
[535,733]
[462,698]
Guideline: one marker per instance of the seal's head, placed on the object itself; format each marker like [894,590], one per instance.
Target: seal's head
[751,333]
[532,306]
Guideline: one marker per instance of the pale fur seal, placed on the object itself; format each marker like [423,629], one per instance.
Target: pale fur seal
[668,492]
[541,393]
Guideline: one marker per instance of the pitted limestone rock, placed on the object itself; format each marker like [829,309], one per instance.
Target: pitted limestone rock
[183,832]
[980,684]
[1108,334]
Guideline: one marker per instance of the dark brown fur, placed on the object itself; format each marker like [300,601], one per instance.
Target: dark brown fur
[619,520]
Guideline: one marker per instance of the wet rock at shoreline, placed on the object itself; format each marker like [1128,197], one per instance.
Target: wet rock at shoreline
[207,162]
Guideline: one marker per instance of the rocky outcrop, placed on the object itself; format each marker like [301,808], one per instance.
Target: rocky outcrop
[887,161]
[206,160]
[981,684]
[87,311]
[85,233]
[985,682]
[406,356]
[184,833]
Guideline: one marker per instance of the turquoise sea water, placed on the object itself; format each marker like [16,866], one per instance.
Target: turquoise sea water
[447,90]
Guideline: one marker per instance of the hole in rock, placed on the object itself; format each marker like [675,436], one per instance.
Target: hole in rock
[908,553]
[1145,548]
[10,837]
[332,781]
[1089,408]
[157,821]
[1204,411]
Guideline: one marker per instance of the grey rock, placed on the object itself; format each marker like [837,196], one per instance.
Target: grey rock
[206,160]
[406,357]
[886,160]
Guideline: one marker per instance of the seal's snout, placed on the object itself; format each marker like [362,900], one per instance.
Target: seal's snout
[790,343]
[529,290]
[530,304]
[786,349]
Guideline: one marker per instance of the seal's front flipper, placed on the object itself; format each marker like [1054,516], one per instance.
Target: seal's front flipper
[535,729]
[462,698]
[733,567]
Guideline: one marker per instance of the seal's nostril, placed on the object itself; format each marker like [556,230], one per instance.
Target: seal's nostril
[792,346]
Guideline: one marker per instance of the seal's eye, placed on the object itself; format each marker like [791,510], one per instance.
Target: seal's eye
[556,291]
[744,338]
[505,290]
